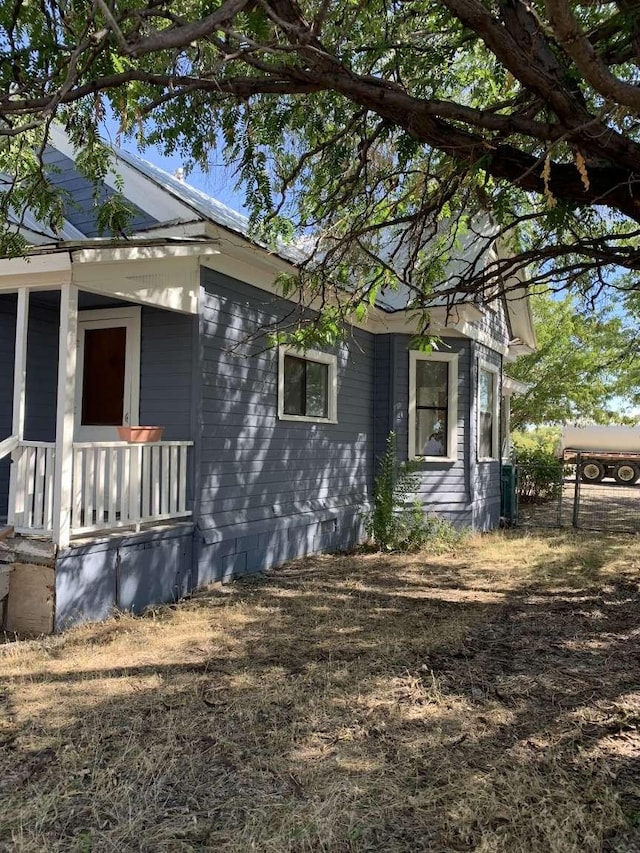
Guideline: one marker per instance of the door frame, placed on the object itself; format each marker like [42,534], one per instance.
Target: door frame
[108,318]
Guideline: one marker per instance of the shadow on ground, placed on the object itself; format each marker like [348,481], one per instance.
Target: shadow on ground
[486,700]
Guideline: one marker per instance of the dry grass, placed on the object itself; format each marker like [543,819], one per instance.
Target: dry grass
[485,700]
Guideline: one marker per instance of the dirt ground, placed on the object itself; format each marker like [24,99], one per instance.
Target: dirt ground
[482,700]
[605,507]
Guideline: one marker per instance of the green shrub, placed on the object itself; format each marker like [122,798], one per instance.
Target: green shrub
[540,475]
[540,438]
[397,521]
[414,530]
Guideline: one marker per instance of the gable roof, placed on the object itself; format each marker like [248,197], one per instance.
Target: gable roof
[163,204]
[203,205]
[210,209]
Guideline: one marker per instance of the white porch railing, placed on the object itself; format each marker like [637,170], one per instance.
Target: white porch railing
[8,445]
[34,463]
[115,484]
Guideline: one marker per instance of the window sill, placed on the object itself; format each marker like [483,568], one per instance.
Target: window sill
[447,459]
[489,459]
[307,420]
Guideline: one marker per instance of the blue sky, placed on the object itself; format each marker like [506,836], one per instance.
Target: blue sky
[218,182]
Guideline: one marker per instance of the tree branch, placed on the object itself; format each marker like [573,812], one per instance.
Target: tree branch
[587,60]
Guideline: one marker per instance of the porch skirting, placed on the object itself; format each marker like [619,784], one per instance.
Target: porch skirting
[122,572]
[93,578]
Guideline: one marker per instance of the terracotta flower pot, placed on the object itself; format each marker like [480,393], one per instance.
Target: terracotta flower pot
[140,434]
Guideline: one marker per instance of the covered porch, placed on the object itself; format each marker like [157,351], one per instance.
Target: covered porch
[113,485]
[76,363]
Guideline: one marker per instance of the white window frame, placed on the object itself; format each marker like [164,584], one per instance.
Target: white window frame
[451,358]
[494,370]
[104,318]
[331,361]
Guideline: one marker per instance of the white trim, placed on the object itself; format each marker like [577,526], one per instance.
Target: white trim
[331,361]
[452,404]
[63,476]
[20,363]
[129,523]
[514,386]
[505,431]
[96,314]
[106,318]
[19,391]
[518,305]
[124,254]
[36,264]
[138,189]
[8,445]
[248,263]
[172,283]
[494,370]
[108,445]
[476,334]
[518,349]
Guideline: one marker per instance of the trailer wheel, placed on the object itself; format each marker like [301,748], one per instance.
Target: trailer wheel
[592,471]
[626,473]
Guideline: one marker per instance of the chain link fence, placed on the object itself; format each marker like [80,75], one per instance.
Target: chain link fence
[569,501]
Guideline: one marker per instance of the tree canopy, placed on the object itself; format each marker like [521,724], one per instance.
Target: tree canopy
[583,370]
[385,133]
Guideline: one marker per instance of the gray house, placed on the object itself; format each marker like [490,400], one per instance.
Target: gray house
[265,455]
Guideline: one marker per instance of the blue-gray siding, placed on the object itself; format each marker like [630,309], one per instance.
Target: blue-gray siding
[166,355]
[42,352]
[445,487]
[485,476]
[80,205]
[494,322]
[385,350]
[272,489]
[167,340]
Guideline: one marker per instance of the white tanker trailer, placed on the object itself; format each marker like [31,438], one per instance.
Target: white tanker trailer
[603,451]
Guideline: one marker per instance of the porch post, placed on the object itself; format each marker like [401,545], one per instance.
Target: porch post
[67,346]
[19,395]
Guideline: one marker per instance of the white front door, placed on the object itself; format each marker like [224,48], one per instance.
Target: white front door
[108,373]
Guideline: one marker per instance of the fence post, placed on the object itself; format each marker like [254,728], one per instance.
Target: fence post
[560,500]
[576,492]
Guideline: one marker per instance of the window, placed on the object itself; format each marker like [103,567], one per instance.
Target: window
[488,420]
[433,406]
[307,386]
